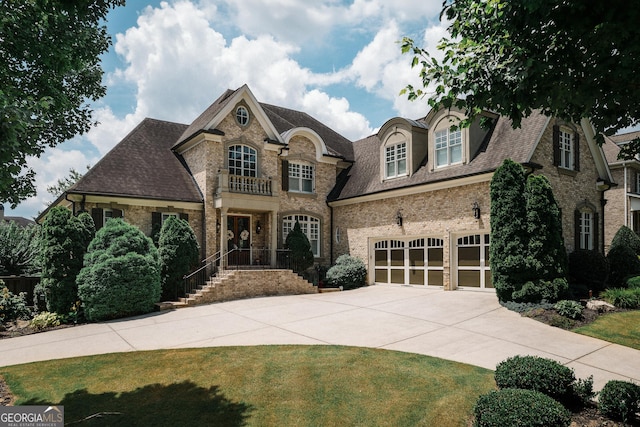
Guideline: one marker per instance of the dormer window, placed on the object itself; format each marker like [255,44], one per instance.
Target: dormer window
[242,116]
[448,147]
[396,160]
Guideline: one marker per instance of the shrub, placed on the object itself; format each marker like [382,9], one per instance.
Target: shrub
[633,282]
[588,268]
[622,298]
[623,262]
[514,407]
[179,252]
[63,243]
[12,306]
[19,247]
[121,275]
[620,400]
[626,237]
[45,320]
[583,391]
[542,290]
[298,243]
[523,307]
[536,373]
[570,309]
[348,272]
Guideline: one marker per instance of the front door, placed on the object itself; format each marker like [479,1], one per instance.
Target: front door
[239,238]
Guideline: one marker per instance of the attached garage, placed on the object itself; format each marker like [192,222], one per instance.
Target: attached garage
[471,255]
[416,261]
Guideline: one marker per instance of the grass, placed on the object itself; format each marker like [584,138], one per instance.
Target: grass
[618,328]
[255,386]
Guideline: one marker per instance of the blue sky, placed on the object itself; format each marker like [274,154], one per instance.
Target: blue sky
[336,60]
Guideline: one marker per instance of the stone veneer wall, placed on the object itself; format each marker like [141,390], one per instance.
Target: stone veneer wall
[441,214]
[569,188]
[614,209]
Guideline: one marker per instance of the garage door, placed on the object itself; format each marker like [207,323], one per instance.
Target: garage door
[473,270]
[409,262]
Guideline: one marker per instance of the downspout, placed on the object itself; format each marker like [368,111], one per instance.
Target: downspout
[73,204]
[331,234]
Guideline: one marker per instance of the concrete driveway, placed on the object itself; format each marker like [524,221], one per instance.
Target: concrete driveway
[464,326]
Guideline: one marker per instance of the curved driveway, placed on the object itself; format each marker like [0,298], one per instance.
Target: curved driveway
[464,326]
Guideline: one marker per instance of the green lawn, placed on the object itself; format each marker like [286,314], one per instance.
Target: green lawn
[255,386]
[619,328]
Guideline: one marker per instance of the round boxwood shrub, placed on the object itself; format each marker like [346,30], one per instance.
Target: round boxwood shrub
[121,274]
[633,282]
[620,400]
[536,373]
[623,263]
[517,407]
[348,272]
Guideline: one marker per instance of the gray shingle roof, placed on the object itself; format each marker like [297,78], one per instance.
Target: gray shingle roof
[142,165]
[505,142]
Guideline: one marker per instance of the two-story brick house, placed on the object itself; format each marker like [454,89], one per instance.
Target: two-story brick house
[412,201]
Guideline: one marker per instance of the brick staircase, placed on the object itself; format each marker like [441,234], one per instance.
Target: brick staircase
[238,284]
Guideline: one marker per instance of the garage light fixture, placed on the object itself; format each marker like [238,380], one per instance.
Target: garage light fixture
[399,218]
[476,210]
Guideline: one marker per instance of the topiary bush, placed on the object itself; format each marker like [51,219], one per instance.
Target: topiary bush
[626,237]
[623,263]
[298,243]
[569,308]
[620,400]
[536,373]
[517,407]
[588,269]
[121,274]
[348,272]
[178,251]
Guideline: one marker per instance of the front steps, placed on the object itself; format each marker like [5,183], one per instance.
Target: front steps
[239,284]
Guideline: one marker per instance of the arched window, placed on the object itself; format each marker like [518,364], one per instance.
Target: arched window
[586,227]
[309,225]
[243,160]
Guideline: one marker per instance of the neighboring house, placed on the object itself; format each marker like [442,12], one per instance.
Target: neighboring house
[21,221]
[623,201]
[412,201]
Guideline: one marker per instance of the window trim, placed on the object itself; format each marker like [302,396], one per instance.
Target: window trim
[304,225]
[243,146]
[396,149]
[560,133]
[447,148]
[592,235]
[300,179]
[242,115]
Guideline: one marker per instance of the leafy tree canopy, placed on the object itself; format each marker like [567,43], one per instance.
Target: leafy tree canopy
[49,70]
[571,59]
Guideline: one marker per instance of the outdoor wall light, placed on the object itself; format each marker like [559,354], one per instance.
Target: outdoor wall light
[476,210]
[258,227]
[217,226]
[399,218]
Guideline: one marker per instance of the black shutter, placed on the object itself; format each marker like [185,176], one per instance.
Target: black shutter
[98,217]
[556,145]
[156,220]
[596,231]
[576,151]
[285,175]
[116,213]
[576,227]
[184,216]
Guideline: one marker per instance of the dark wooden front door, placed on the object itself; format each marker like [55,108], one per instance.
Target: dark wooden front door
[239,238]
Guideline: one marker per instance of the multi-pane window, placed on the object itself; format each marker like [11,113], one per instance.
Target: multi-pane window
[448,147]
[309,225]
[586,230]
[301,177]
[566,150]
[243,160]
[166,215]
[242,116]
[395,159]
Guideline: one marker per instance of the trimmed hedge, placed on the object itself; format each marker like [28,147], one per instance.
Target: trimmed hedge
[517,407]
[538,374]
[620,400]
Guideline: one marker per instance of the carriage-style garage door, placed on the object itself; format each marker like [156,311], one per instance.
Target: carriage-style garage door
[472,255]
[414,262]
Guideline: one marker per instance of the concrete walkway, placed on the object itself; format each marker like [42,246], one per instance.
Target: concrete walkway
[464,326]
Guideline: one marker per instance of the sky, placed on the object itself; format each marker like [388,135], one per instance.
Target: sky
[337,60]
